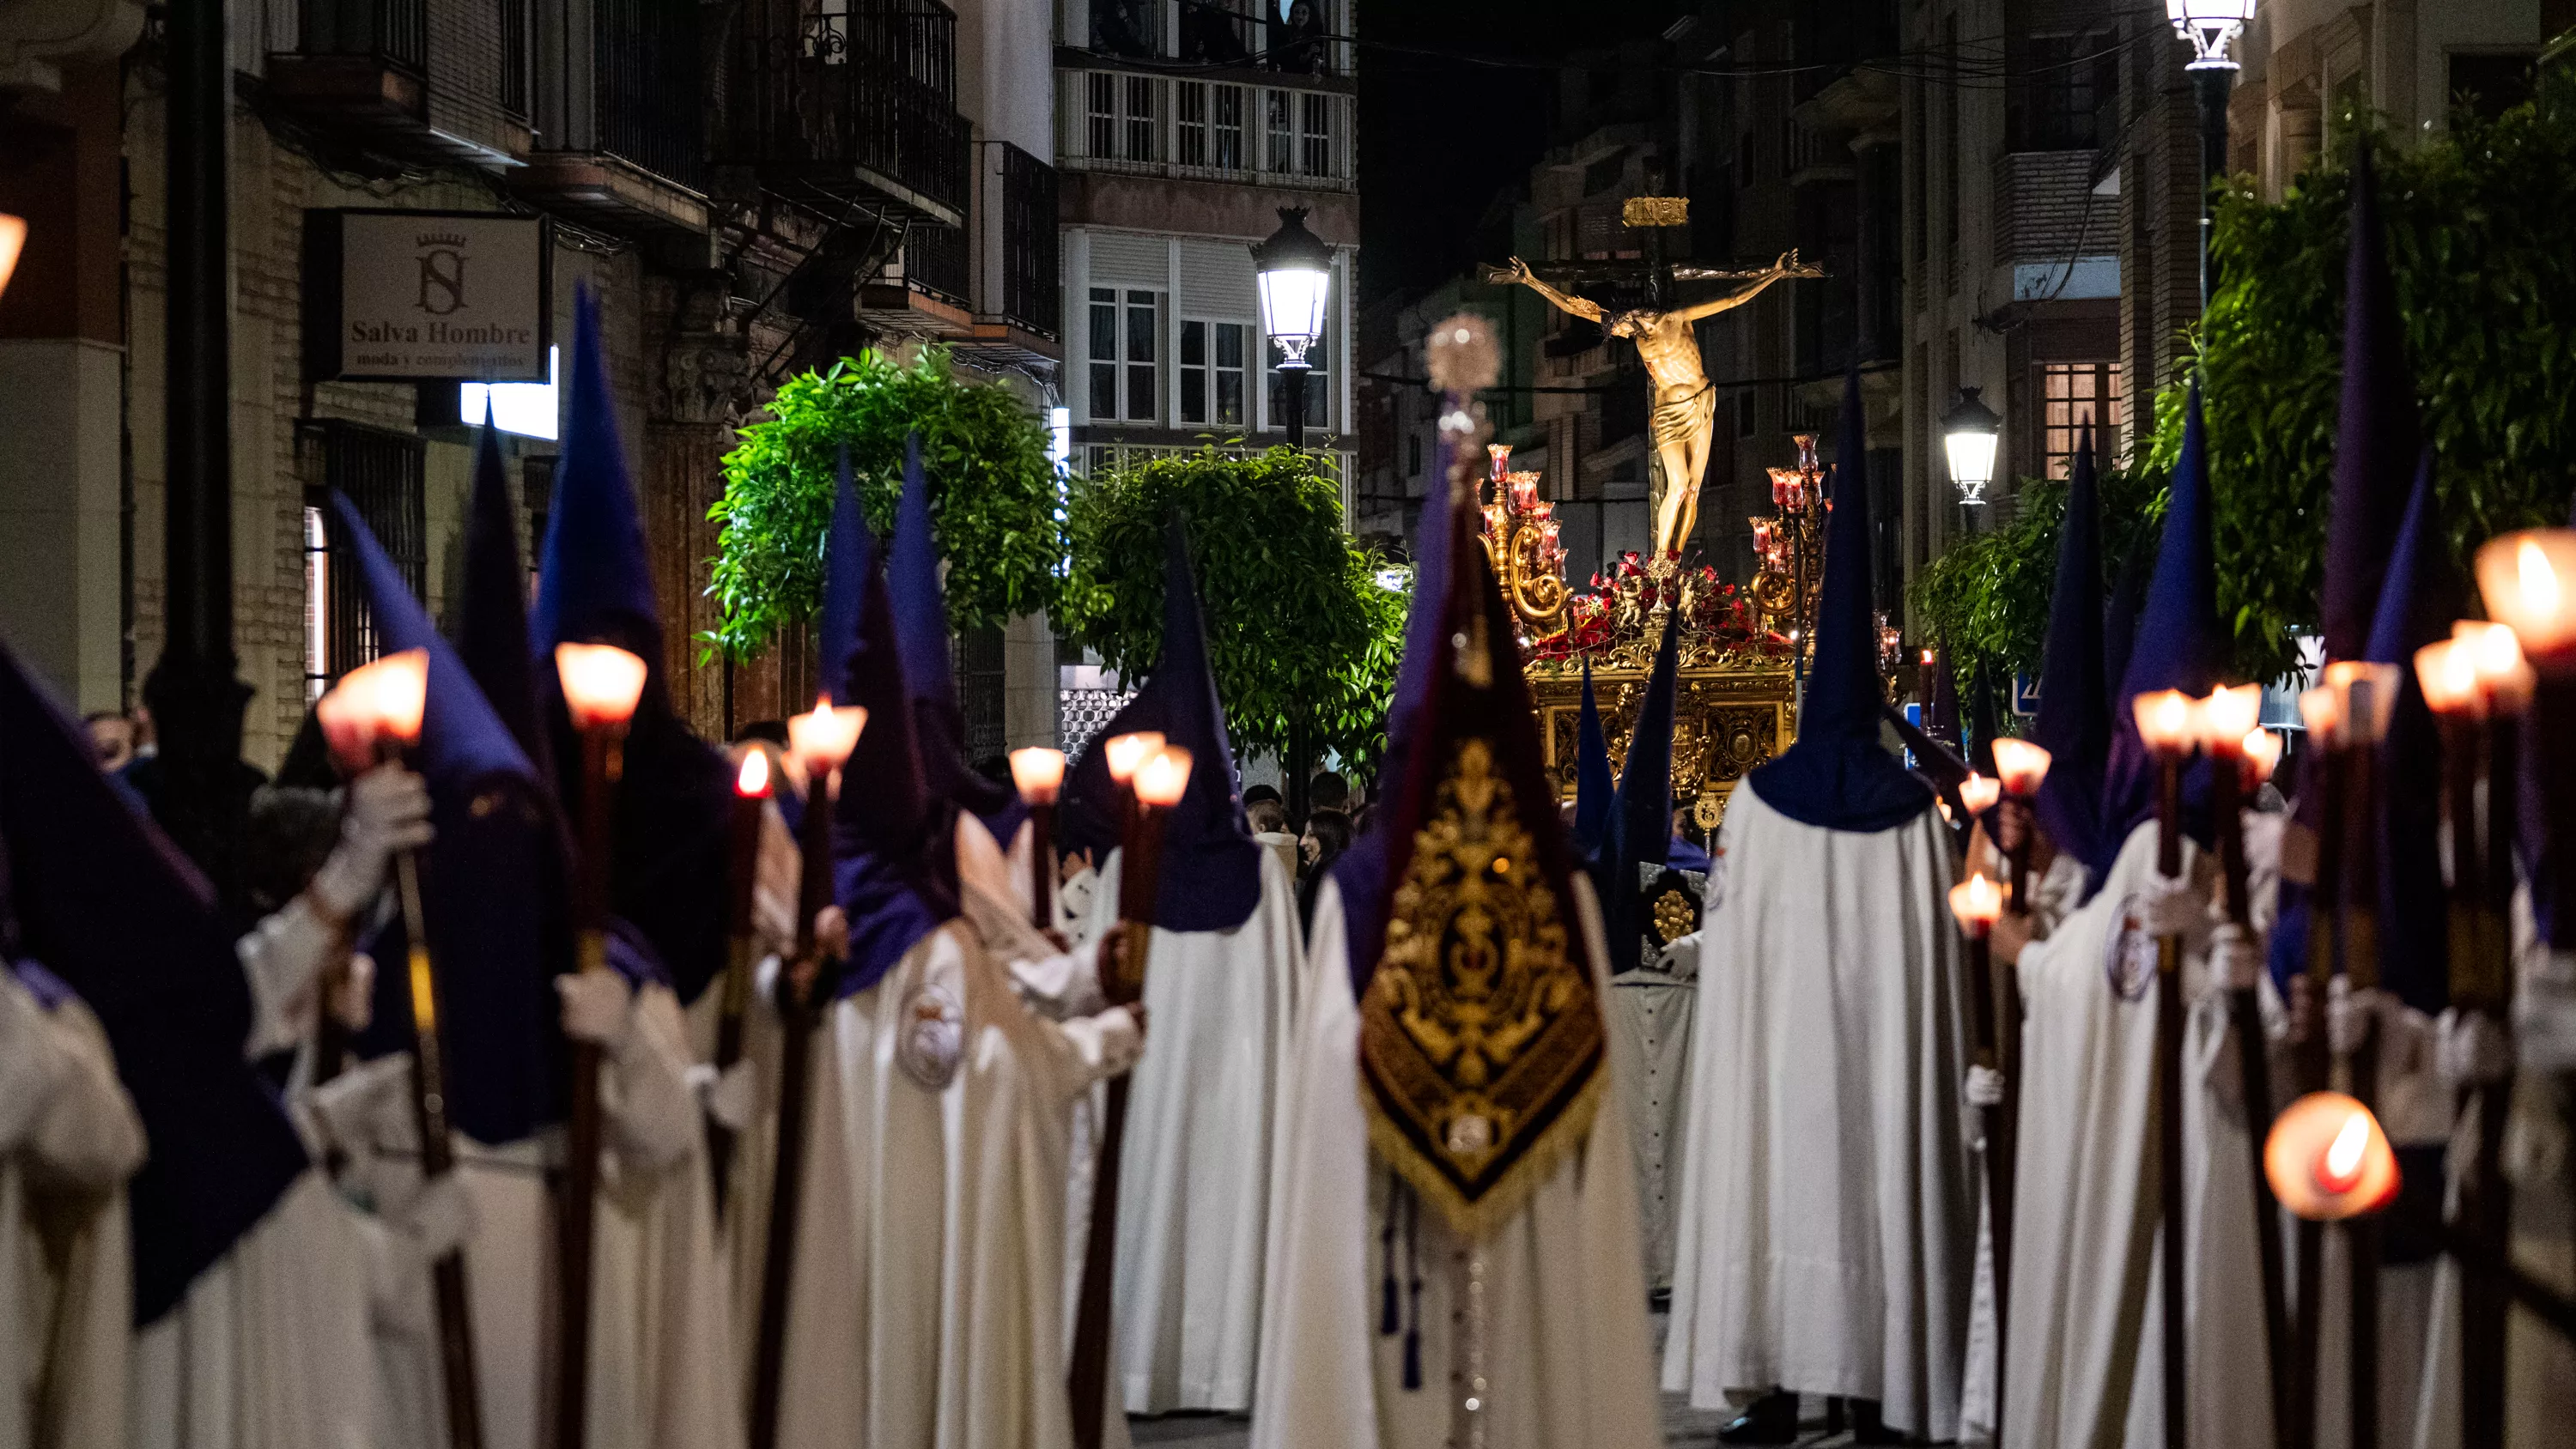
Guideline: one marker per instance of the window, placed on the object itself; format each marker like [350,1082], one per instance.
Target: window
[2072,393]
[1140,118]
[381,473]
[1319,384]
[1190,120]
[2073,80]
[827,31]
[1315,134]
[1100,107]
[1283,132]
[1126,370]
[1413,455]
[1212,372]
[1229,128]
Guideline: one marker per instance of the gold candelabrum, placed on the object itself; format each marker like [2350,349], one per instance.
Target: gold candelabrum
[1521,542]
[1790,546]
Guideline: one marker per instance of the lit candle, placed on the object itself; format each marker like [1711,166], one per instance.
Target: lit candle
[2328,1159]
[2228,715]
[2167,721]
[2447,671]
[1039,773]
[601,683]
[1978,903]
[1128,751]
[751,787]
[2261,752]
[1979,793]
[824,736]
[2321,709]
[375,708]
[1163,777]
[2369,697]
[2504,675]
[2021,765]
[1524,491]
[2524,579]
[13,237]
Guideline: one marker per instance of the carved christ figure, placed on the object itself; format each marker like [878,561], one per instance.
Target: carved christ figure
[1685,402]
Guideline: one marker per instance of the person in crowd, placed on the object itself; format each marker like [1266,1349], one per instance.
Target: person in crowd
[1828,1220]
[1457,1243]
[1328,834]
[1196,1183]
[1267,814]
[111,732]
[1327,790]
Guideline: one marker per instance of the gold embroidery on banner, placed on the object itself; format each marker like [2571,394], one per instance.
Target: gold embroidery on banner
[1481,1041]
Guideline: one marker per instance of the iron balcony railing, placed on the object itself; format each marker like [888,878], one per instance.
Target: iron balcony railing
[1148,124]
[935,261]
[845,96]
[621,78]
[393,31]
[1032,278]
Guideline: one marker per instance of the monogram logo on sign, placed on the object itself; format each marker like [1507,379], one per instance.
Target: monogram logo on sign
[442,273]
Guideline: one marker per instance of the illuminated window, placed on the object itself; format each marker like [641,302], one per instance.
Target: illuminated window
[525,408]
[2073,393]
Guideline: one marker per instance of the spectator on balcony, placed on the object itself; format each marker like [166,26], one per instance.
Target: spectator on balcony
[1212,33]
[1297,41]
[1123,27]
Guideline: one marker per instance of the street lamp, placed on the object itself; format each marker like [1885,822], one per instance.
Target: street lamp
[1970,431]
[2211,26]
[1295,268]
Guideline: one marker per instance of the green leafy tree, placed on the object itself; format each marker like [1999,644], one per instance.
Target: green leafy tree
[1987,599]
[994,494]
[2476,226]
[1296,618]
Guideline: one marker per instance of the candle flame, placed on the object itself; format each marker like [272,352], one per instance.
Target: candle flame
[1126,752]
[383,700]
[1164,777]
[2228,714]
[601,682]
[2262,752]
[824,737]
[2165,720]
[2022,765]
[2328,1160]
[1978,903]
[2343,1155]
[752,781]
[1979,793]
[1039,773]
[2538,581]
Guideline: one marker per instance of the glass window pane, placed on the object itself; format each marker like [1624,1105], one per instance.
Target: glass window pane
[1140,393]
[1229,344]
[1194,344]
[1104,389]
[1229,398]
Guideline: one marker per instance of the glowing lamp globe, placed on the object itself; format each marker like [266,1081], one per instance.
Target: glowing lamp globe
[2528,581]
[2021,765]
[1979,793]
[381,702]
[2168,721]
[2211,26]
[824,736]
[1970,433]
[1163,777]
[601,683]
[2327,1159]
[751,782]
[1295,271]
[1978,903]
[1039,774]
[1126,752]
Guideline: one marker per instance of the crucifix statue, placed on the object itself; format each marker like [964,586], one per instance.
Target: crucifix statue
[1684,417]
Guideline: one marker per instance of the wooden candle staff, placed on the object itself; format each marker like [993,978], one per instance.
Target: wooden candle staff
[1977,903]
[2168,723]
[1039,774]
[822,741]
[372,716]
[1152,777]
[2242,755]
[601,684]
[2369,695]
[750,807]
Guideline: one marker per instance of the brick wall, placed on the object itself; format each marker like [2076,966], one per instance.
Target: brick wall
[2041,211]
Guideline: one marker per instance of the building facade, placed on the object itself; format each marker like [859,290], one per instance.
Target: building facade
[1182,129]
[750,192]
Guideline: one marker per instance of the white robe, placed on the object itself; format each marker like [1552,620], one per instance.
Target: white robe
[1194,1193]
[1651,1009]
[1567,1347]
[927,1306]
[2085,1347]
[660,1353]
[68,1143]
[1828,1218]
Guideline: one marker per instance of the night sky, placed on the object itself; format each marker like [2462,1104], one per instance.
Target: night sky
[1441,133]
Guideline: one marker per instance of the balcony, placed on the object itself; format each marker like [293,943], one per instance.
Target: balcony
[850,104]
[364,84]
[923,292]
[1140,124]
[1019,310]
[619,112]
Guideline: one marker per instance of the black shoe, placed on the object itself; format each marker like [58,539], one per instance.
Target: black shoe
[1868,1428]
[1771,1419]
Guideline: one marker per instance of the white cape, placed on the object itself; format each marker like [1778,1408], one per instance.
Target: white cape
[1567,1346]
[927,1305]
[1828,1219]
[1651,1010]
[2084,1348]
[66,1290]
[1194,1192]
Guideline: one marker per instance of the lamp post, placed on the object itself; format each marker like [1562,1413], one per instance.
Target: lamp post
[1970,431]
[601,684]
[1295,269]
[2211,26]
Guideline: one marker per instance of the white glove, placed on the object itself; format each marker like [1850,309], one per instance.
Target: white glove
[440,1217]
[729,1096]
[355,1006]
[2234,962]
[596,1006]
[387,811]
[2470,1049]
[2351,1014]
[2170,907]
[1680,956]
[1985,1087]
